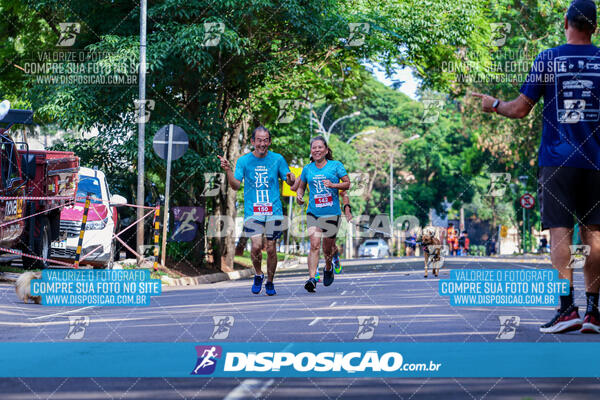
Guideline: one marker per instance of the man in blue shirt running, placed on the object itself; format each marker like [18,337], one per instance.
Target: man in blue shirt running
[260,170]
[568,77]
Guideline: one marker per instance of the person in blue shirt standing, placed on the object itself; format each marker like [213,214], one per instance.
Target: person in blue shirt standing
[260,170]
[324,177]
[568,77]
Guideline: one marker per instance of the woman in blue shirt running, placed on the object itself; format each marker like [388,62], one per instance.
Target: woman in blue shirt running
[325,177]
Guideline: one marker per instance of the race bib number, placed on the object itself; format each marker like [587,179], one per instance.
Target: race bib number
[323,200]
[263,208]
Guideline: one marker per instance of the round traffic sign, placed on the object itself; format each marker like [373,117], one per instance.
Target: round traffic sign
[527,201]
[179,142]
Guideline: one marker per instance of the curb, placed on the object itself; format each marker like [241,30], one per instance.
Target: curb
[294,264]
[222,276]
[9,277]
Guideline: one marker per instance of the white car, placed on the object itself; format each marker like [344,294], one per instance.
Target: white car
[377,248]
[98,247]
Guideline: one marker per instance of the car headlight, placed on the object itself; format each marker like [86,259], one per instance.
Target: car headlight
[96,225]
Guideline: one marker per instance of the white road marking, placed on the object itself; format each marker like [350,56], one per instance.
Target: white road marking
[63,313]
[333,304]
[343,293]
[314,321]
[249,389]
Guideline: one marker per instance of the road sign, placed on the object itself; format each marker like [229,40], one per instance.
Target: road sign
[179,142]
[287,190]
[527,201]
[170,143]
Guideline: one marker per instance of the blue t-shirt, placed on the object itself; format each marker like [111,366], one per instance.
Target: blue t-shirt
[323,201]
[568,77]
[261,184]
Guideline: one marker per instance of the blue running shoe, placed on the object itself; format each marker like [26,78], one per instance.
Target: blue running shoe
[257,286]
[270,289]
[337,267]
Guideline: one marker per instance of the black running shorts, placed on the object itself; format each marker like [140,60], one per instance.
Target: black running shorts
[568,195]
[271,229]
[328,224]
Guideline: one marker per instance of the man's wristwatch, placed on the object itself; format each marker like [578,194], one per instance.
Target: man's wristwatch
[495,105]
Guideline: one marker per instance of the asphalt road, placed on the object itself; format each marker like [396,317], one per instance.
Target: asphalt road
[407,308]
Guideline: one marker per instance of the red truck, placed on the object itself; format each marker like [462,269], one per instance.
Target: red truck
[34,188]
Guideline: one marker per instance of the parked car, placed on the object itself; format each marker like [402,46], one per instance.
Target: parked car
[374,248]
[98,246]
[38,184]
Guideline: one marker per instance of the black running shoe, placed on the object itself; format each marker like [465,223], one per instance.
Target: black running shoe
[564,321]
[270,289]
[310,285]
[328,277]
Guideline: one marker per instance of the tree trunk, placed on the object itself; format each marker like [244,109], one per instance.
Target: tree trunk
[230,144]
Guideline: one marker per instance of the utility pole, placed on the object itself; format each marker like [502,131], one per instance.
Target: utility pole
[141,127]
[523,180]
[392,195]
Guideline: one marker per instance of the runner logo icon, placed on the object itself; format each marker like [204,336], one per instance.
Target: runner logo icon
[508,327]
[207,359]
[366,327]
[223,325]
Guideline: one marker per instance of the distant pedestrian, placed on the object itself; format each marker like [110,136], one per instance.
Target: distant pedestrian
[463,243]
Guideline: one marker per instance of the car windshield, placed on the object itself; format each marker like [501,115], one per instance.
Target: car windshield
[88,184]
[371,243]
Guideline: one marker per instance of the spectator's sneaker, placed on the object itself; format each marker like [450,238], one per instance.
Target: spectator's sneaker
[337,267]
[270,289]
[565,321]
[591,324]
[327,277]
[310,285]
[257,286]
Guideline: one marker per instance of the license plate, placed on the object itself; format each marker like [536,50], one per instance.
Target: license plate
[59,244]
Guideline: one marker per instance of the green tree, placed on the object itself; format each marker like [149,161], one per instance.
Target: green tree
[268,51]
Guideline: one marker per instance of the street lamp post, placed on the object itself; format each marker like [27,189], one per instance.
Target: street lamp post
[358,134]
[321,122]
[413,137]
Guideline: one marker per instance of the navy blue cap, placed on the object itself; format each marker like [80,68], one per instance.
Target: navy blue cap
[583,11]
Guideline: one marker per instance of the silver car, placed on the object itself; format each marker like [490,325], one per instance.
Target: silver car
[374,248]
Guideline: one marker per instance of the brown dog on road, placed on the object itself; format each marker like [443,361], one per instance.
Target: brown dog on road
[432,250]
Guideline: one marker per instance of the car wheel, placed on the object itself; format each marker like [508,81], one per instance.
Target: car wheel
[40,245]
[113,255]
[117,250]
